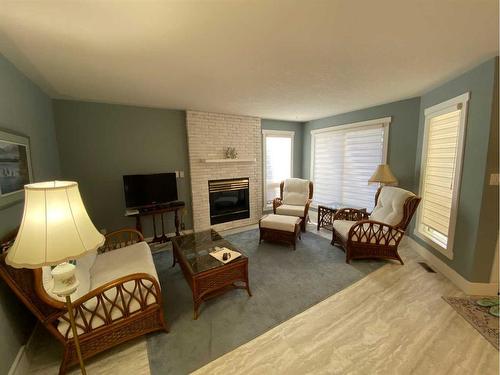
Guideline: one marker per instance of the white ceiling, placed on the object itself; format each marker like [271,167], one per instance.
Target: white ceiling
[293,60]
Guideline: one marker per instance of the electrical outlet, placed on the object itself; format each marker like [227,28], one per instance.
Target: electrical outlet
[181,173]
[177,174]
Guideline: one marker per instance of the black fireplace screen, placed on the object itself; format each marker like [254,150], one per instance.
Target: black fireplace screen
[228,200]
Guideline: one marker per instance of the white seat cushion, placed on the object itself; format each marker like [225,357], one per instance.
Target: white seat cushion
[114,264]
[389,208]
[279,222]
[296,191]
[290,210]
[342,227]
[110,266]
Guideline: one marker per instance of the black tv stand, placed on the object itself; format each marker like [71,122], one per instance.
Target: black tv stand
[159,210]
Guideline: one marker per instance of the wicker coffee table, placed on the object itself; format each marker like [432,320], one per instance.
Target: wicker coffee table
[207,277]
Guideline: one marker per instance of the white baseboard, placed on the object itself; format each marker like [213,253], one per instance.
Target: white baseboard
[468,287]
[20,366]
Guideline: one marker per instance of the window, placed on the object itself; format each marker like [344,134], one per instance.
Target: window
[278,162]
[343,158]
[440,172]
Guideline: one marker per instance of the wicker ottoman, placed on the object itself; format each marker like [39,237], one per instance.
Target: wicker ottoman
[280,228]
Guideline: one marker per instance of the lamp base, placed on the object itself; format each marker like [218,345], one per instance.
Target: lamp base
[65,282]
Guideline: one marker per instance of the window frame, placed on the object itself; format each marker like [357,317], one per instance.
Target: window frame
[385,122]
[278,134]
[453,104]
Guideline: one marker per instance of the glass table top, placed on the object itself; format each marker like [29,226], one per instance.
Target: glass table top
[195,249]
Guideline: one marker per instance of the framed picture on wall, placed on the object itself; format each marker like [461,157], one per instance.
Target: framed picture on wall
[15,167]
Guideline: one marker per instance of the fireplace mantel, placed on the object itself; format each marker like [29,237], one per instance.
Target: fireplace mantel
[228,160]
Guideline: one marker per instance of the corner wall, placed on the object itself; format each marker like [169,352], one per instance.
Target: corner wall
[24,109]
[477,221]
[99,143]
[403,132]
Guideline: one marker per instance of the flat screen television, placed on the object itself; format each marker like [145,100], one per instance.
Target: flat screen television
[143,190]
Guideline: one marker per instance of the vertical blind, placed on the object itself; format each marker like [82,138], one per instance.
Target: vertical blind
[439,174]
[343,161]
[278,161]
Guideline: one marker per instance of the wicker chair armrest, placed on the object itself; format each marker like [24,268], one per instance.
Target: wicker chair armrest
[351,214]
[375,233]
[276,203]
[113,301]
[121,238]
[306,208]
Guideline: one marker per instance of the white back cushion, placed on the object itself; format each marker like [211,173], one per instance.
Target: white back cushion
[296,191]
[389,208]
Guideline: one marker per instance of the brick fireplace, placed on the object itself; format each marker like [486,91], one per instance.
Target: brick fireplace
[208,136]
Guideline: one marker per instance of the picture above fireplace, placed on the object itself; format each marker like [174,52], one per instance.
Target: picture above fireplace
[228,200]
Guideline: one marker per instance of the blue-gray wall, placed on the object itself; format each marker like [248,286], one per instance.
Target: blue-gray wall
[474,244]
[26,110]
[99,143]
[403,133]
[298,129]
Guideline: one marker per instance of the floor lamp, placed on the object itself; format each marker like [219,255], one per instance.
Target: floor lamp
[383,175]
[54,230]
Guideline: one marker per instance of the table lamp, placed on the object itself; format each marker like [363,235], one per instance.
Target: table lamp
[383,175]
[55,228]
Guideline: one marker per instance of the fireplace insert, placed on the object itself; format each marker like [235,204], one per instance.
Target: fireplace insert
[228,200]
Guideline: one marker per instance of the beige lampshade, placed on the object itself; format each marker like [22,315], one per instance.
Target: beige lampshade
[55,226]
[383,175]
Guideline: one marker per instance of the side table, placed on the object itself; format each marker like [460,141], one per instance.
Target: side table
[327,211]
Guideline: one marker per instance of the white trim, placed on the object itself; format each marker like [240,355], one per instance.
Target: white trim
[468,287]
[495,266]
[444,106]
[20,365]
[379,121]
[430,112]
[280,134]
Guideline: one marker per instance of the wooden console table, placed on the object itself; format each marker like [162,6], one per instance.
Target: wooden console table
[159,211]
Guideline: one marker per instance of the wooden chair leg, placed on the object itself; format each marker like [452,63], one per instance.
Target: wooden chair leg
[64,363]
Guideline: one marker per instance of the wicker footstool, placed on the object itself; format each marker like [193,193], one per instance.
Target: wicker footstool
[280,228]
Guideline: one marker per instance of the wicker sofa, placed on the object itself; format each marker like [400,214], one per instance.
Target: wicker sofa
[118,299]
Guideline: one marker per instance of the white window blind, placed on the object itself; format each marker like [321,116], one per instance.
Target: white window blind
[440,171]
[277,162]
[437,186]
[344,158]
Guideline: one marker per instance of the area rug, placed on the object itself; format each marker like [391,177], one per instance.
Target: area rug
[478,316]
[283,282]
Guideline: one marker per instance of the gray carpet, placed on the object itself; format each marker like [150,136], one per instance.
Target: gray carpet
[283,283]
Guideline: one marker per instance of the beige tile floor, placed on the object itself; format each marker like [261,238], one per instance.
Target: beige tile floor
[393,321]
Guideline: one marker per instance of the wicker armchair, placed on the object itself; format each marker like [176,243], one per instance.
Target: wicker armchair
[110,314]
[294,199]
[377,235]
